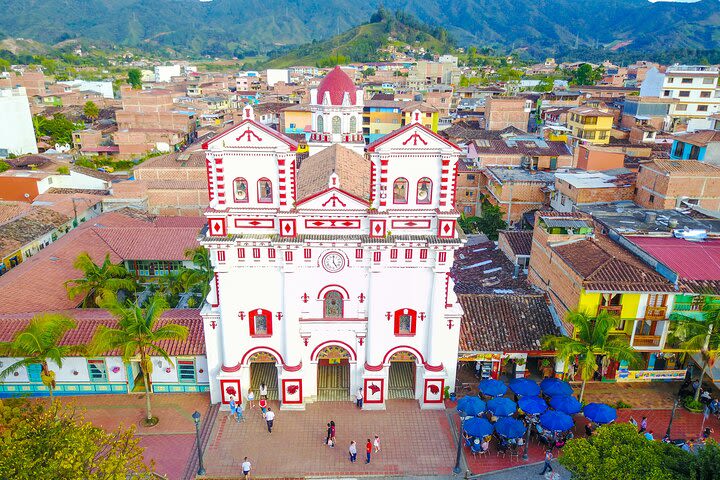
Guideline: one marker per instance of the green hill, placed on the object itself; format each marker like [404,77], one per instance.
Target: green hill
[366,42]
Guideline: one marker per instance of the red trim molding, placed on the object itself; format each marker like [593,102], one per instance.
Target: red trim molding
[353,354]
[373,368]
[274,352]
[231,369]
[339,288]
[289,368]
[432,368]
[400,348]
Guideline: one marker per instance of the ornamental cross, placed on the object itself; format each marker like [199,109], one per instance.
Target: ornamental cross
[361,297]
[213,324]
[450,324]
[422,316]
[279,315]
[388,315]
[361,339]
[335,200]
[250,134]
[415,137]
[241,315]
[305,298]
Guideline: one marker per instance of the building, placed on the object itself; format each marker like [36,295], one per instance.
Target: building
[576,190]
[275,75]
[516,245]
[164,73]
[503,112]
[308,261]
[296,119]
[600,157]
[17,135]
[590,125]
[426,73]
[703,145]
[516,190]
[668,184]
[468,199]
[381,117]
[33,175]
[695,89]
[655,111]
[525,151]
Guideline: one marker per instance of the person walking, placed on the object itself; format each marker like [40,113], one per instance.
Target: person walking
[332,434]
[233,406]
[263,406]
[239,413]
[548,459]
[368,450]
[643,425]
[376,444]
[251,398]
[263,390]
[359,398]
[329,434]
[633,422]
[353,451]
[246,466]
[270,418]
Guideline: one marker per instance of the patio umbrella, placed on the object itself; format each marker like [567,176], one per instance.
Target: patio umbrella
[524,386]
[510,427]
[599,413]
[470,406]
[501,406]
[532,405]
[478,427]
[566,404]
[556,421]
[555,386]
[492,387]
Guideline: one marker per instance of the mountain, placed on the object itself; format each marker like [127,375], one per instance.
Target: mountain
[245,27]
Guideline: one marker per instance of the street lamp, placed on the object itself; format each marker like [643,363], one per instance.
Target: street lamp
[462,416]
[527,437]
[196,418]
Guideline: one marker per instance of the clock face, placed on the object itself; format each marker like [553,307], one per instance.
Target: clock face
[333,262]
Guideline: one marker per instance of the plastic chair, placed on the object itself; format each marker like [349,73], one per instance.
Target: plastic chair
[502,449]
[514,452]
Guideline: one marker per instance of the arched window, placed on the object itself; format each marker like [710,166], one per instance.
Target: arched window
[405,321]
[353,124]
[333,305]
[320,124]
[240,190]
[400,191]
[336,124]
[260,322]
[264,191]
[424,191]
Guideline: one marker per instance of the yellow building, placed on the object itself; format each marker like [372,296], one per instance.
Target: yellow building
[296,119]
[590,125]
[381,117]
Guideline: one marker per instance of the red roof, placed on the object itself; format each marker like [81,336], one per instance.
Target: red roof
[690,260]
[337,83]
[280,136]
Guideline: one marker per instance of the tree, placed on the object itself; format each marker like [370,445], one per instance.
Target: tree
[99,281]
[617,451]
[4,166]
[203,272]
[590,339]
[368,72]
[59,128]
[586,75]
[38,344]
[138,334]
[91,110]
[58,443]
[706,464]
[491,221]
[134,78]
[701,336]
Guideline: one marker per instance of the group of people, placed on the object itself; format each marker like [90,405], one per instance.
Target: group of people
[236,409]
[330,441]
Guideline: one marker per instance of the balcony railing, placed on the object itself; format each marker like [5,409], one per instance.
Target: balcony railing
[655,313]
[611,309]
[646,341]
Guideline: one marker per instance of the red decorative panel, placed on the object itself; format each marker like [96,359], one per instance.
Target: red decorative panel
[410,224]
[434,390]
[230,388]
[217,227]
[377,228]
[343,223]
[292,391]
[287,227]
[446,228]
[413,322]
[254,223]
[374,390]
[221,255]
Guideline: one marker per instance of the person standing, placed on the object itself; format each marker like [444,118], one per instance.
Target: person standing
[332,434]
[643,425]
[239,413]
[233,406]
[263,406]
[251,398]
[246,466]
[263,390]
[353,451]
[329,434]
[376,444]
[368,450]
[633,422]
[548,459]
[270,418]
[359,398]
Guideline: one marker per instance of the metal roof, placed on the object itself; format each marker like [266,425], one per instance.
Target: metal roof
[565,223]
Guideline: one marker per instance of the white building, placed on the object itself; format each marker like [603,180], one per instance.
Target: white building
[694,86]
[334,275]
[275,75]
[103,88]
[17,135]
[163,73]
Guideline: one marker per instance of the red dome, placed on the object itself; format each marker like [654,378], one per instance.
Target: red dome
[337,83]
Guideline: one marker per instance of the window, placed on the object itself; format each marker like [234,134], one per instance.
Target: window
[320,125]
[467,210]
[442,257]
[423,254]
[424,191]
[652,199]
[708,81]
[98,370]
[377,256]
[405,321]
[186,371]
[221,255]
[684,93]
[408,254]
[336,124]
[271,253]
[264,191]
[241,253]
[353,125]
[288,256]
[240,190]
[694,152]
[393,254]
[678,150]
[686,80]
[602,135]
[705,94]
[681,107]
[333,305]
[308,253]
[260,322]
[471,176]
[400,191]
[671,80]
[702,108]
[358,253]
[256,253]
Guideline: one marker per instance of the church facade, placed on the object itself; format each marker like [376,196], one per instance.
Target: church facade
[332,276]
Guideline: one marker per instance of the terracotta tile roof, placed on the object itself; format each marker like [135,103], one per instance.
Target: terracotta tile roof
[88,320]
[353,170]
[605,266]
[129,189]
[67,204]
[176,184]
[701,138]
[504,323]
[589,112]
[191,158]
[32,225]
[90,172]
[466,131]
[520,241]
[10,210]
[484,268]
[517,146]
[150,243]
[684,167]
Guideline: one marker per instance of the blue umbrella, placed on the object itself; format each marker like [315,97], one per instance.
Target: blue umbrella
[524,386]
[599,413]
[470,406]
[532,405]
[555,386]
[510,427]
[492,387]
[501,406]
[556,421]
[566,404]
[478,427]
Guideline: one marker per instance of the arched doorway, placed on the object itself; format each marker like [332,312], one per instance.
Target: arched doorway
[401,382]
[333,380]
[264,371]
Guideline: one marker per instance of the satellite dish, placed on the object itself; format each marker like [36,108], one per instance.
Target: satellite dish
[27,195]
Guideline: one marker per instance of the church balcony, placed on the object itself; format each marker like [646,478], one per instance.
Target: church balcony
[337,137]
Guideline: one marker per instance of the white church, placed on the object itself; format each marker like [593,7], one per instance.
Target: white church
[332,276]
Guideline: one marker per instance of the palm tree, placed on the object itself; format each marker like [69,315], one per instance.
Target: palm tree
[137,334]
[99,281]
[38,343]
[203,273]
[591,339]
[700,336]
